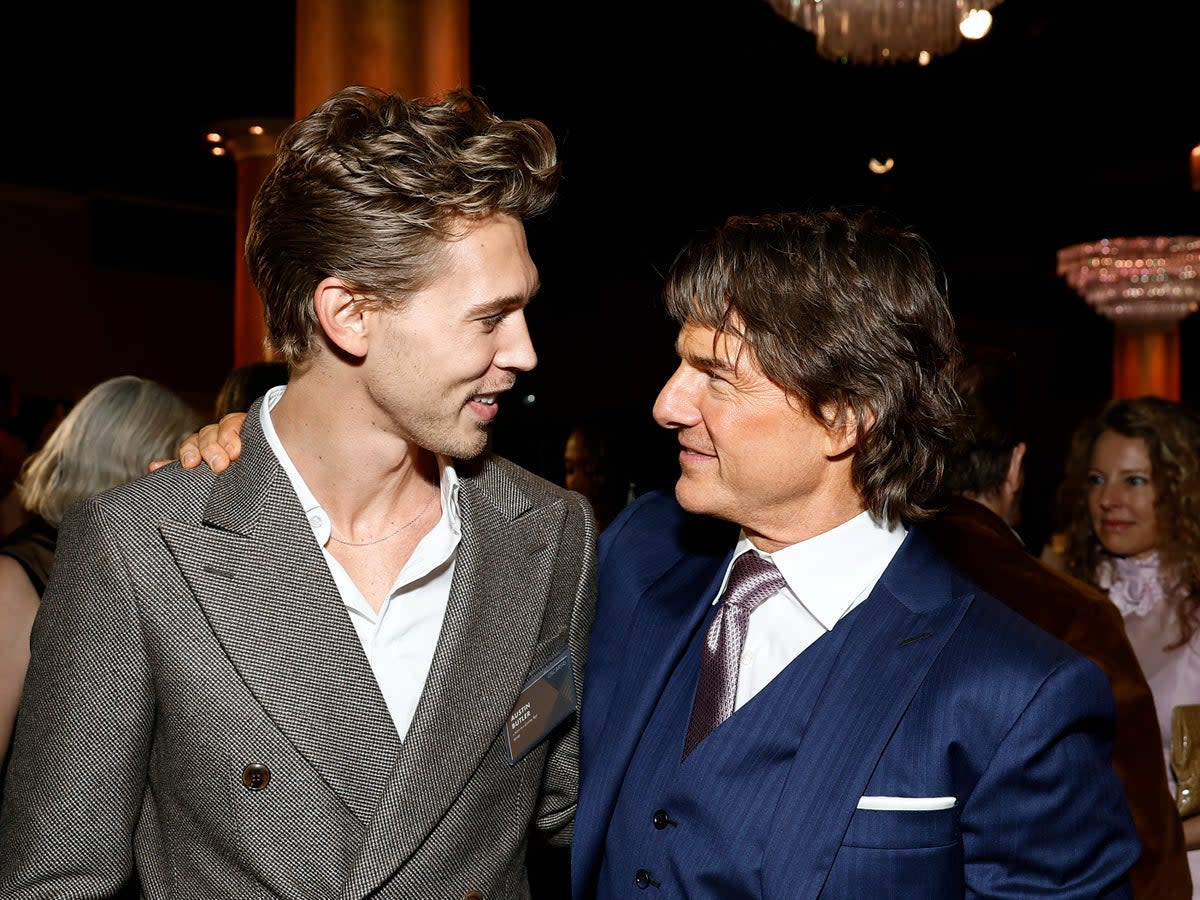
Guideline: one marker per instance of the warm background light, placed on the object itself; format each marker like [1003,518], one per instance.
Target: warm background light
[977,23]
[1146,286]
[885,31]
[1144,278]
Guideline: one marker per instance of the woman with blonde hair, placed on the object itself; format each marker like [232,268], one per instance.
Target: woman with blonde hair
[1130,507]
[109,437]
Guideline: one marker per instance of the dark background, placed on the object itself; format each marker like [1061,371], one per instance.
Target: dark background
[1072,121]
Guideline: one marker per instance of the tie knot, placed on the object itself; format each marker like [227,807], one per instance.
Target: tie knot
[751,581]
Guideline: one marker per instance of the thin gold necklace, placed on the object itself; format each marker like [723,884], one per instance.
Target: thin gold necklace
[386,537]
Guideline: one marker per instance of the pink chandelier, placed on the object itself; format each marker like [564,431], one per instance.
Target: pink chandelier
[1137,278]
[1145,286]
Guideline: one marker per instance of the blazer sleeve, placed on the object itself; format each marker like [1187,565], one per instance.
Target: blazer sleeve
[1048,816]
[575,578]
[78,770]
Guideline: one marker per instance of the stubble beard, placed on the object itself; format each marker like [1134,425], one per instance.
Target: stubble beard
[458,446]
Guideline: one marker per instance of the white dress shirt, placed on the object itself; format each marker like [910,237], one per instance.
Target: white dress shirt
[827,576]
[400,639]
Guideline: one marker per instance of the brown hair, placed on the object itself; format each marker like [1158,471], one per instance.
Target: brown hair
[993,423]
[1172,436]
[370,186]
[844,311]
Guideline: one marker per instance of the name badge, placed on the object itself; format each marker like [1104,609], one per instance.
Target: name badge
[547,699]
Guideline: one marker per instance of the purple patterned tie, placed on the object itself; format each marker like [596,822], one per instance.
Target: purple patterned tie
[751,581]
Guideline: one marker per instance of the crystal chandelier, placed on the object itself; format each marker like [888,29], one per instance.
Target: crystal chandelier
[1138,279]
[888,31]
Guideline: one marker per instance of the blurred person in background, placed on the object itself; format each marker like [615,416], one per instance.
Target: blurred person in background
[109,437]
[593,465]
[25,423]
[247,383]
[981,506]
[1129,506]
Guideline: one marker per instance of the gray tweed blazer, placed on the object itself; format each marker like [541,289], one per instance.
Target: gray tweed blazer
[199,708]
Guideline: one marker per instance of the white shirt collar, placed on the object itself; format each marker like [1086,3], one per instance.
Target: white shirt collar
[317,517]
[833,572]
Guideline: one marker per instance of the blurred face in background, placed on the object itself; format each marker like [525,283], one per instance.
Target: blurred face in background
[582,468]
[1121,495]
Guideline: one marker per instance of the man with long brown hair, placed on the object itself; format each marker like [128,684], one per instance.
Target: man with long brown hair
[790,693]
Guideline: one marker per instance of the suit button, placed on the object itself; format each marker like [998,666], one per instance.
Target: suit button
[256,776]
[473,895]
[643,879]
[662,820]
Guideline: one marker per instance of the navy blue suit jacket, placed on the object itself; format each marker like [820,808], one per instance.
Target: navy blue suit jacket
[941,691]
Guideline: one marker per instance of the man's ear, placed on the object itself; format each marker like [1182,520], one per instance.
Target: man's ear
[843,427]
[342,315]
[1015,477]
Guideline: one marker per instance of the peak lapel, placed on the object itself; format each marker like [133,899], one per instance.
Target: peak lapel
[266,591]
[884,659]
[486,650]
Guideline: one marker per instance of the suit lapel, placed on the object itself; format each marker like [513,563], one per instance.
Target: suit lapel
[899,632]
[264,586]
[485,651]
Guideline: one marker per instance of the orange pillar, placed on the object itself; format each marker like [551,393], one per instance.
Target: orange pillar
[415,47]
[251,143]
[1146,360]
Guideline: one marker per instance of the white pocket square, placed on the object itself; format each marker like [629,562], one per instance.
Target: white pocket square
[914,803]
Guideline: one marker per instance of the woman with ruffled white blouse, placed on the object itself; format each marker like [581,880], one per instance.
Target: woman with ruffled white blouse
[1130,506]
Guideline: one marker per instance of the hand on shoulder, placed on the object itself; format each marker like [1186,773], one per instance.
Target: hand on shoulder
[217,445]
